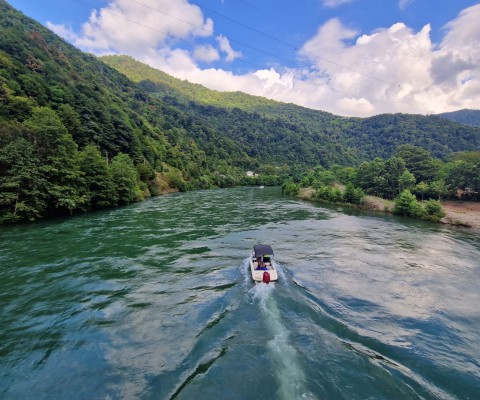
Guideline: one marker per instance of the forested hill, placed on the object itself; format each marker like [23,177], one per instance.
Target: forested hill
[467,117]
[350,139]
[76,134]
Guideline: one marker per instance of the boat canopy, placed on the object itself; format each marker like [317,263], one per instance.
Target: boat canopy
[262,250]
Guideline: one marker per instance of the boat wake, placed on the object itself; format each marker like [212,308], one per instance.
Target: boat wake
[289,373]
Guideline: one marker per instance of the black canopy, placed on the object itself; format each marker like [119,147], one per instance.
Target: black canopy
[262,250]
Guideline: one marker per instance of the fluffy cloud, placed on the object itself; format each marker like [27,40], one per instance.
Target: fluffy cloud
[206,53]
[130,27]
[397,69]
[225,46]
[392,69]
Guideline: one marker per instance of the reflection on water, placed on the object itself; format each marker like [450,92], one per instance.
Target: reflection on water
[155,301]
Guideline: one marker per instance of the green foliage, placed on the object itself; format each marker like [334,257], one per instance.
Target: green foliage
[406,204]
[471,157]
[329,193]
[344,175]
[468,117]
[22,194]
[371,176]
[353,195]
[418,161]
[439,188]
[290,188]
[58,154]
[422,188]
[97,179]
[311,137]
[462,175]
[395,169]
[406,181]
[433,211]
[64,115]
[124,174]
[318,177]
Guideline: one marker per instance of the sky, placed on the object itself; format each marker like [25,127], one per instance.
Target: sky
[347,57]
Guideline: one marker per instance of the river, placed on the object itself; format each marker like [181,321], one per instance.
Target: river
[154,301]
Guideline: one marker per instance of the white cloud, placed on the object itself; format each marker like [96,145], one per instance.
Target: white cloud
[63,31]
[394,69]
[206,53]
[351,106]
[130,27]
[397,69]
[335,3]
[225,46]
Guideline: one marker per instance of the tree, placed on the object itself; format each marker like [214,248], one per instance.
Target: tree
[371,177]
[406,180]
[99,186]
[58,154]
[418,161]
[407,204]
[439,188]
[461,174]
[422,188]
[124,175]
[22,185]
[394,170]
[344,175]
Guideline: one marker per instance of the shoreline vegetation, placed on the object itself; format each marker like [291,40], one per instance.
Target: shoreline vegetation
[78,135]
[457,213]
[410,183]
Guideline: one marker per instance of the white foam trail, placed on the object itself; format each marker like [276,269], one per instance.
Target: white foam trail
[281,275]
[245,271]
[289,372]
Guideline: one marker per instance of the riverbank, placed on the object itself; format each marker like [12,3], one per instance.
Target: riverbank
[459,213]
[462,213]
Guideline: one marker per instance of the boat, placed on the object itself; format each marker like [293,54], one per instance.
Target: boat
[262,264]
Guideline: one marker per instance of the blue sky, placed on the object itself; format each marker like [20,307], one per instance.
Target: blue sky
[349,57]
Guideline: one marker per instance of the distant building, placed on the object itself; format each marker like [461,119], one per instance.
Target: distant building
[251,174]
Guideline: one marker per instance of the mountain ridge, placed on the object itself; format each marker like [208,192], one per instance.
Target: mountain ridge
[465,116]
[440,136]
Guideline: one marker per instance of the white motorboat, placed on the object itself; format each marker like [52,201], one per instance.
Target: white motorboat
[262,264]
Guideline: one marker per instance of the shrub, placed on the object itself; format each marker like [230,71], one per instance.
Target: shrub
[353,195]
[290,188]
[406,204]
[329,193]
[433,211]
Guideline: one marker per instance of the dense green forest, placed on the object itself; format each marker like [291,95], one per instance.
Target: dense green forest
[467,117]
[330,138]
[67,120]
[77,134]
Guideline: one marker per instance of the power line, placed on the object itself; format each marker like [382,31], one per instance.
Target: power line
[191,24]
[289,44]
[195,44]
[292,46]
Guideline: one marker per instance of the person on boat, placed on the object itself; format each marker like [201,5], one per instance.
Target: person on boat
[260,263]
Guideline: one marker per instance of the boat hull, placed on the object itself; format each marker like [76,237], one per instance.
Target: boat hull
[257,274]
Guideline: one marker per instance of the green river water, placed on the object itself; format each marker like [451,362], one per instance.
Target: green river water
[154,301]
